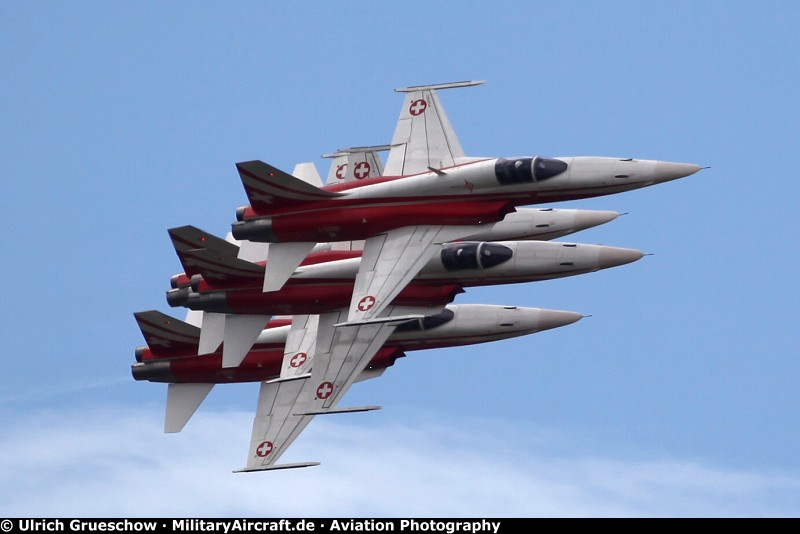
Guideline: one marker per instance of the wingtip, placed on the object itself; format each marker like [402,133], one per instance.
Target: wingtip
[277,467]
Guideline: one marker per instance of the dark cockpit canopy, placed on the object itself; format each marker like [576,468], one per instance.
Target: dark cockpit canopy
[426,323]
[474,255]
[521,170]
[544,168]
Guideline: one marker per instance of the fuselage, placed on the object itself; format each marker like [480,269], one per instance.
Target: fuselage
[457,325]
[536,224]
[476,192]
[326,286]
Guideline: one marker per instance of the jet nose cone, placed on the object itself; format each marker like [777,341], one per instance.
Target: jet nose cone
[588,219]
[614,256]
[666,171]
[555,318]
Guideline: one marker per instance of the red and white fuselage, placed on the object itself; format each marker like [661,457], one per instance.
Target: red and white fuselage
[457,325]
[285,209]
[322,287]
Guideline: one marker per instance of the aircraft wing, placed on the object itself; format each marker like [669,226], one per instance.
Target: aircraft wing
[287,405]
[343,351]
[299,348]
[423,137]
[391,260]
[276,426]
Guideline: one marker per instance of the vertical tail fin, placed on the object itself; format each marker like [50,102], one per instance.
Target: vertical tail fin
[190,238]
[166,336]
[222,271]
[354,164]
[268,187]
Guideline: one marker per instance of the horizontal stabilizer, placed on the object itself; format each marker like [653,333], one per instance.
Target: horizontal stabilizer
[275,467]
[194,318]
[282,260]
[253,252]
[354,409]
[241,332]
[212,332]
[182,401]
[308,173]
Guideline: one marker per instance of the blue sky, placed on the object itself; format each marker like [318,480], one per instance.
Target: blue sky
[677,397]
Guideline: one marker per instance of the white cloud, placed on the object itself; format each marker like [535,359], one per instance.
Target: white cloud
[118,464]
[34,392]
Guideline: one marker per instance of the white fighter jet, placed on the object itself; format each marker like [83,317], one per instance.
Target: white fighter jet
[430,193]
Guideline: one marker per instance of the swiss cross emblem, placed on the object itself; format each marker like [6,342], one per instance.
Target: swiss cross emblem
[417,107]
[362,170]
[264,449]
[298,359]
[324,390]
[340,171]
[366,303]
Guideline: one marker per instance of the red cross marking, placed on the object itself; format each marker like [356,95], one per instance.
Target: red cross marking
[340,171]
[418,107]
[362,170]
[324,390]
[366,303]
[264,449]
[298,359]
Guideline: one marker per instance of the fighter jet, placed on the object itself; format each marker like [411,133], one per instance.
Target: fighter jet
[227,288]
[225,284]
[321,361]
[430,194]
[404,217]
[170,357]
